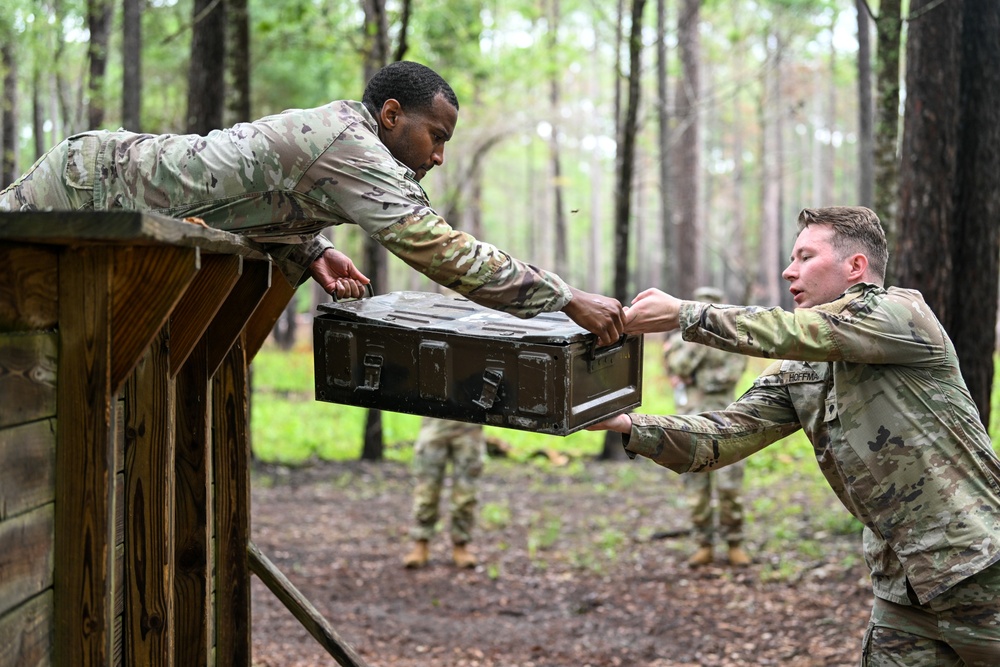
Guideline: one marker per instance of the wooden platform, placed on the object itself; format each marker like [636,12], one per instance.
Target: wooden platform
[124,478]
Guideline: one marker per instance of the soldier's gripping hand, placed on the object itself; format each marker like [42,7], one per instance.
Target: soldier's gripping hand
[600,315]
[336,273]
[652,311]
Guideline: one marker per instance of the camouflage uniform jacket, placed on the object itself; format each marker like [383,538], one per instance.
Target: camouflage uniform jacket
[284,178]
[873,380]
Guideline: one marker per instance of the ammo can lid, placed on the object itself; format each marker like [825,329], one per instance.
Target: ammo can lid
[441,312]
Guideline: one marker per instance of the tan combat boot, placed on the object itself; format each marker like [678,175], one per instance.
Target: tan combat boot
[703,556]
[418,556]
[738,557]
[463,557]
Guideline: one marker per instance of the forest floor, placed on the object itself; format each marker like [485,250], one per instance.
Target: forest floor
[580,565]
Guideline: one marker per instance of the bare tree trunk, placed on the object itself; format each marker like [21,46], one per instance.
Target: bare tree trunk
[668,273]
[559,212]
[687,175]
[771,223]
[886,175]
[977,202]
[9,111]
[238,52]
[376,56]
[132,65]
[924,247]
[866,142]
[207,71]
[99,13]
[623,183]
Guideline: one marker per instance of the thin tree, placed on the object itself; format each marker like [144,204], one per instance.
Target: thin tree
[99,14]
[889,27]
[555,161]
[687,175]
[866,141]
[132,65]
[8,110]
[668,274]
[624,168]
[376,56]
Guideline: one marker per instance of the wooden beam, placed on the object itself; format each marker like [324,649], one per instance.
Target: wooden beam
[236,311]
[82,632]
[192,537]
[147,284]
[295,602]
[201,302]
[149,495]
[268,312]
[232,508]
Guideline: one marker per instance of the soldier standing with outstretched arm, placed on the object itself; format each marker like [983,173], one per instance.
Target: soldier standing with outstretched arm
[282,179]
[873,379]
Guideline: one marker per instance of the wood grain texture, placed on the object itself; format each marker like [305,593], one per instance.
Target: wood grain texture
[192,548]
[28,287]
[84,455]
[107,228]
[234,314]
[27,467]
[232,507]
[267,312]
[28,364]
[26,557]
[149,474]
[202,300]
[26,633]
[147,284]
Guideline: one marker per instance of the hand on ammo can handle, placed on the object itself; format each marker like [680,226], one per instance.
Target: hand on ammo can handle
[600,315]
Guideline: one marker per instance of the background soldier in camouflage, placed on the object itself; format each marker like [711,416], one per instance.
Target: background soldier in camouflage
[465,445]
[873,379]
[282,179]
[709,378]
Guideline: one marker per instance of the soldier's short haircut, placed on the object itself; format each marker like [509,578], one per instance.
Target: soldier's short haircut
[856,230]
[411,84]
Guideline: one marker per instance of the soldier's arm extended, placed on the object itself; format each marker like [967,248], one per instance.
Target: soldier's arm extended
[710,440]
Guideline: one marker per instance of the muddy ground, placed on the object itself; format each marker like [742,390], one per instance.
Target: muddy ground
[581,565]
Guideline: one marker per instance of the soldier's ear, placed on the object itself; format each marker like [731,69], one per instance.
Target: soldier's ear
[858,267]
[391,111]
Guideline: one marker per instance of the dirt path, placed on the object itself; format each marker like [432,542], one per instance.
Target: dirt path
[571,575]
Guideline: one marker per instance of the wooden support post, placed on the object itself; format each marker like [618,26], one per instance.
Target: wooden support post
[149,495]
[232,509]
[300,607]
[84,546]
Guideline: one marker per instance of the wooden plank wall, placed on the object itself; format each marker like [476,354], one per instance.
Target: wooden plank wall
[28,362]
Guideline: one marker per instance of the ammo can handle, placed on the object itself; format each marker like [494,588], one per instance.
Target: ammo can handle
[369,292]
[601,352]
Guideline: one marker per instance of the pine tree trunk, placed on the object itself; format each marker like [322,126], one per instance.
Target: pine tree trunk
[977,202]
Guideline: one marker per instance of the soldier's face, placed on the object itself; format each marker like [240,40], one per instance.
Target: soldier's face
[417,139]
[817,274]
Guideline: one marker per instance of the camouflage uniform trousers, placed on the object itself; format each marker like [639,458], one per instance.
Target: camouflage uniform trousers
[465,445]
[46,181]
[960,627]
[727,483]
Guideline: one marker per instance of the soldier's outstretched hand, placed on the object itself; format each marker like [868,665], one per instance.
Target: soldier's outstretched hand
[600,315]
[336,273]
[652,311]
